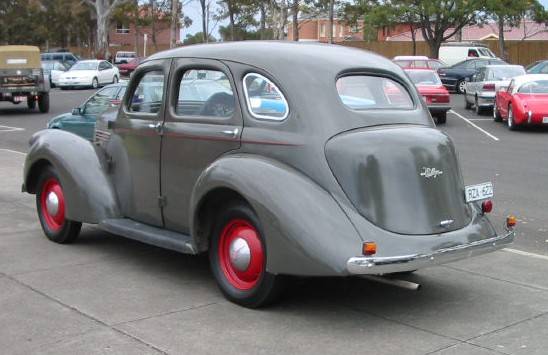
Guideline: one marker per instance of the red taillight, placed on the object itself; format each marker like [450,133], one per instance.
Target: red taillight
[369,248]
[489,87]
[487,206]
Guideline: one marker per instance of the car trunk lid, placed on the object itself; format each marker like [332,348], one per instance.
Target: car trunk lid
[402,178]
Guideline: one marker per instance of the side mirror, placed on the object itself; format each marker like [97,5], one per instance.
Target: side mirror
[76,111]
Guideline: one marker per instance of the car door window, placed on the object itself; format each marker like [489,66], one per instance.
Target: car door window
[100,102]
[471,64]
[544,69]
[121,93]
[148,95]
[205,93]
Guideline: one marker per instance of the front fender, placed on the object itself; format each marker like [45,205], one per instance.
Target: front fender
[88,192]
[305,230]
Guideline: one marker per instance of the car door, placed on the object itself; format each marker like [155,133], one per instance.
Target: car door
[503,99]
[135,144]
[103,73]
[203,122]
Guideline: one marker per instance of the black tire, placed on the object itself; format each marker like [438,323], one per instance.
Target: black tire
[268,287]
[496,114]
[441,118]
[477,107]
[31,102]
[511,124]
[94,83]
[43,102]
[467,105]
[114,79]
[460,86]
[68,230]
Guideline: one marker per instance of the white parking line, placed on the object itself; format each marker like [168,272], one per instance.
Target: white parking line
[474,125]
[10,129]
[525,253]
[12,151]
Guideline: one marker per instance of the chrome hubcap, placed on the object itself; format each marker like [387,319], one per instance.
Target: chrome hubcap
[52,204]
[240,254]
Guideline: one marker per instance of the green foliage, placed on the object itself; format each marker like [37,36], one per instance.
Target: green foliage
[197,38]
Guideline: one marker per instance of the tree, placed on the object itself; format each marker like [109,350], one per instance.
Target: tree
[198,38]
[510,13]
[103,11]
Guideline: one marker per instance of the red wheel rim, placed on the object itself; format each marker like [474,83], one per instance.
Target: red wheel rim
[241,254]
[52,205]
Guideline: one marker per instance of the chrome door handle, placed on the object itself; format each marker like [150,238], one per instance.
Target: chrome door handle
[156,126]
[231,132]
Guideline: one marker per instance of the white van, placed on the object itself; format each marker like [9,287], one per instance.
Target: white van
[124,57]
[452,53]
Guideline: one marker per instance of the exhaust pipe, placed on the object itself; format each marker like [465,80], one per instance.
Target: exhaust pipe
[408,285]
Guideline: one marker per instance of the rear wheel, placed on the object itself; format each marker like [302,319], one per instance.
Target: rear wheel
[477,107]
[238,256]
[31,102]
[95,83]
[467,104]
[43,102]
[496,114]
[51,207]
[441,118]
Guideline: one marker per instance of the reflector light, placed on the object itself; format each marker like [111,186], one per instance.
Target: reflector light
[511,221]
[486,206]
[489,87]
[369,248]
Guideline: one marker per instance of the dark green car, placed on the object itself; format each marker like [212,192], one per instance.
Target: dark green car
[81,120]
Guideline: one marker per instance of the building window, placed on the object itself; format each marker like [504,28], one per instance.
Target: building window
[122,28]
[322,30]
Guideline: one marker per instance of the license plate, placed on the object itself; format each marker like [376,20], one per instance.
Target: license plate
[19,98]
[544,119]
[478,192]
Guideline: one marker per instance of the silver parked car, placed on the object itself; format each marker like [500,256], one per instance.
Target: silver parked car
[481,89]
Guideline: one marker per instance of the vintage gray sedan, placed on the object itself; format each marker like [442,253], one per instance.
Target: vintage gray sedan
[275,158]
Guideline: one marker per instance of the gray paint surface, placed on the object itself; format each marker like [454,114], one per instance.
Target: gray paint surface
[311,225]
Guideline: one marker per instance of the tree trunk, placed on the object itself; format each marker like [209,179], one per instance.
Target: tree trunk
[414,39]
[262,21]
[174,23]
[231,17]
[102,34]
[502,48]
[204,21]
[153,24]
[331,20]
[136,26]
[295,19]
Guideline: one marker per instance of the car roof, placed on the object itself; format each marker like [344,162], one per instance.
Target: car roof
[91,61]
[504,66]
[411,57]
[283,55]
[420,69]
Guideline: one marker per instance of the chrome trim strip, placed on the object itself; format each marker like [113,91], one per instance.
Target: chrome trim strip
[388,264]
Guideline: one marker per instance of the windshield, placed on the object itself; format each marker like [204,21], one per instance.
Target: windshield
[486,52]
[362,92]
[534,87]
[84,66]
[505,73]
[424,77]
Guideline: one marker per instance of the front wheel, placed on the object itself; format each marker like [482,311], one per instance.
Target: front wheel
[511,123]
[461,86]
[114,79]
[43,102]
[238,255]
[51,207]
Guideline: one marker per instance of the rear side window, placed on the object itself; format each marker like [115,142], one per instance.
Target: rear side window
[148,95]
[264,99]
[205,93]
[362,92]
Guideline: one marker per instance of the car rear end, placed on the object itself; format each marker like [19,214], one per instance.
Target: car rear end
[498,78]
[430,87]
[21,76]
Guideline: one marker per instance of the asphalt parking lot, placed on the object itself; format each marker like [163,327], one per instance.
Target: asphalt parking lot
[107,294]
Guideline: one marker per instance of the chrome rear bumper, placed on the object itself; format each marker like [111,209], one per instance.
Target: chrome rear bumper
[384,265]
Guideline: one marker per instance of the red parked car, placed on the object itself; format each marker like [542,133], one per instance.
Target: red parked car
[433,92]
[418,62]
[127,68]
[524,102]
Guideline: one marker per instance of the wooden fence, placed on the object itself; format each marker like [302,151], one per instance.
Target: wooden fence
[519,52]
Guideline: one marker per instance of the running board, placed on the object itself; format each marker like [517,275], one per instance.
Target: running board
[149,234]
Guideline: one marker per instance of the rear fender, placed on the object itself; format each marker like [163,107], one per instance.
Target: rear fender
[305,230]
[88,192]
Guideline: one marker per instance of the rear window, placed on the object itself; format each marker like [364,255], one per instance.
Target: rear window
[505,73]
[362,92]
[424,77]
